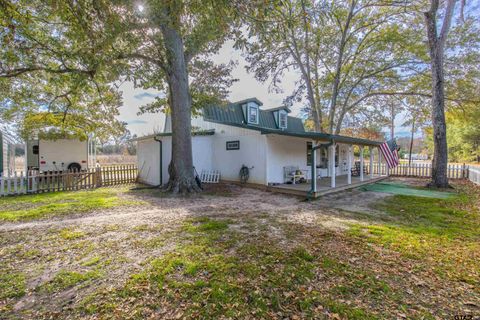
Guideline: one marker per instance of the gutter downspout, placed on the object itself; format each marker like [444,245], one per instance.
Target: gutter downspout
[312,166]
[161,160]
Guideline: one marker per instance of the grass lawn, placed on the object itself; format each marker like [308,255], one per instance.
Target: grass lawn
[249,255]
[29,207]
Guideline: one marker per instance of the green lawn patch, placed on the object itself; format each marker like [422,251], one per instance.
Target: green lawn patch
[12,284]
[443,231]
[71,234]
[65,279]
[403,189]
[29,207]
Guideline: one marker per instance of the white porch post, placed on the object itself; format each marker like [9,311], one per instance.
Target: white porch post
[361,163]
[371,161]
[379,162]
[349,164]
[314,167]
[331,161]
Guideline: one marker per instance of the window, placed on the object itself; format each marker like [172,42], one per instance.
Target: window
[252,113]
[233,145]
[309,153]
[35,149]
[282,119]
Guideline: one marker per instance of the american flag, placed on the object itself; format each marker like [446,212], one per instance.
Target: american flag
[390,153]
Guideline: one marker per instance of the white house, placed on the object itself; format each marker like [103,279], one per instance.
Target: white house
[271,143]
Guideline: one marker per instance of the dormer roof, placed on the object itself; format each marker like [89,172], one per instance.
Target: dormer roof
[233,114]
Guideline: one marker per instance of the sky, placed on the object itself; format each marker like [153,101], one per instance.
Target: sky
[246,87]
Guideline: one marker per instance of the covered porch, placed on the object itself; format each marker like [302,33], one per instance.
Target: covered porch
[324,185]
[329,163]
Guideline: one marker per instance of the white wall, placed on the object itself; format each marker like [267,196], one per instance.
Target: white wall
[202,152]
[148,157]
[285,151]
[252,153]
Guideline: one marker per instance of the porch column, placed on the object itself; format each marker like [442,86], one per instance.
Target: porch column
[361,163]
[349,164]
[379,162]
[371,161]
[331,161]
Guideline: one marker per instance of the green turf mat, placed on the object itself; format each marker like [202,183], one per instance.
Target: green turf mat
[403,189]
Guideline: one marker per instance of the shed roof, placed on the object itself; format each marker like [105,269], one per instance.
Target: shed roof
[169,134]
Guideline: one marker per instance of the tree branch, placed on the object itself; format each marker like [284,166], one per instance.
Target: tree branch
[11,73]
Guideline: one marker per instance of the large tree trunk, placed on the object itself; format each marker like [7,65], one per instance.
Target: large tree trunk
[411,142]
[316,115]
[338,70]
[182,179]
[440,153]
[392,122]
[436,49]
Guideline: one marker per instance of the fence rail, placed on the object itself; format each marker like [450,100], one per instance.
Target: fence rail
[422,170]
[34,182]
[474,174]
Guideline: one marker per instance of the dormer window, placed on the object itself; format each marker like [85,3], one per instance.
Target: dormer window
[282,119]
[252,113]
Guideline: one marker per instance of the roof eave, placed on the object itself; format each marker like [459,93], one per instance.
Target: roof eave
[323,136]
[169,134]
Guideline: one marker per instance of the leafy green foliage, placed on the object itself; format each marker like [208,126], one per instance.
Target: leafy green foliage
[62,61]
[346,51]
[56,62]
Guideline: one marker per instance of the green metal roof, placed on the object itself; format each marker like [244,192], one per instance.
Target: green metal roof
[232,114]
[324,136]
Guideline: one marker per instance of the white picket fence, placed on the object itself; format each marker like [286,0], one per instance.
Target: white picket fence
[34,182]
[424,170]
[210,176]
[454,171]
[474,174]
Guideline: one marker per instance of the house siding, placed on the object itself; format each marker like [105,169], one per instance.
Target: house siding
[148,157]
[282,152]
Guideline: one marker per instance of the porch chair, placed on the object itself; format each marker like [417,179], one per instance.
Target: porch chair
[356,169]
[293,174]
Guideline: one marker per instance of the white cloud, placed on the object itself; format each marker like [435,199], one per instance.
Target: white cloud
[139,124]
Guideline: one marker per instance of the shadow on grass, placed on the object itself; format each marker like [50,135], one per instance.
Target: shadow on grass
[215,271]
[446,231]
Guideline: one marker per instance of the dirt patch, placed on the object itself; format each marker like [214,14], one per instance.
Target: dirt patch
[67,260]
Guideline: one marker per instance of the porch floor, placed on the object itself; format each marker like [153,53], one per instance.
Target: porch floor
[323,185]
